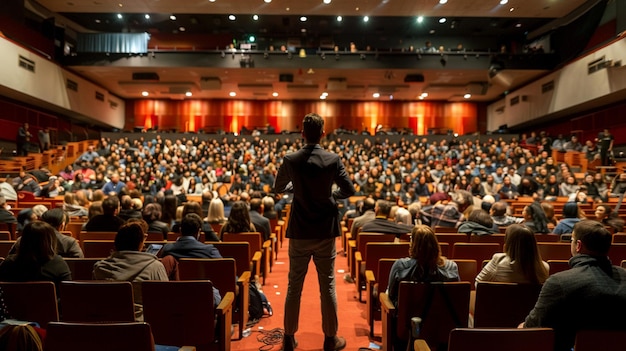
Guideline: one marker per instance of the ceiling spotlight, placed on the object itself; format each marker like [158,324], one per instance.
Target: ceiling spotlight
[182,29]
[274,94]
[232,17]
[420,19]
[366,18]
[376,95]
[97,20]
[303,19]
[144,93]
[443,1]
[424,94]
[467,96]
[211,0]
[232,94]
[503,2]
[255,17]
[252,39]
[327,1]
[146,16]
[267,1]
[512,9]
[173,18]
[188,94]
[442,20]
[119,15]
[322,97]
[339,18]
[421,97]
[324,94]
[390,97]
[518,25]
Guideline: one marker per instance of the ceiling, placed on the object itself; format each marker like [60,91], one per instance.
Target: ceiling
[394,18]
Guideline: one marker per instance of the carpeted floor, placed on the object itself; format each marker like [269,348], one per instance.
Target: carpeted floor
[352,314]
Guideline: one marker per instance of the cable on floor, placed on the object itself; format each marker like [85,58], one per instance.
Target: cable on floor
[270,338]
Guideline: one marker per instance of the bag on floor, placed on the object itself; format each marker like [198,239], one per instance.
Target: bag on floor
[258,305]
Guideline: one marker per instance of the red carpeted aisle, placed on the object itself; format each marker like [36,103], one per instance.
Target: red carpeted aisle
[352,314]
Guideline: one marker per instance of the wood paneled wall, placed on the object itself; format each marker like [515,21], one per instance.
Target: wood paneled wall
[232,115]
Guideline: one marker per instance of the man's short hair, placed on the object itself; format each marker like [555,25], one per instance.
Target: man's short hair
[384,208]
[368,204]
[128,237]
[55,217]
[594,236]
[255,204]
[313,127]
[110,204]
[127,202]
[498,209]
[190,224]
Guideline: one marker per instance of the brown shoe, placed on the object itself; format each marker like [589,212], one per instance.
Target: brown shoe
[289,342]
[334,343]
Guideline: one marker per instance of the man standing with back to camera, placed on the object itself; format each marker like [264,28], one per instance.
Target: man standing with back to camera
[313,226]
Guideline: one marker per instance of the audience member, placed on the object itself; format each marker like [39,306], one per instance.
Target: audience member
[535,218]
[261,223]
[500,216]
[238,220]
[152,215]
[108,221]
[479,222]
[570,218]
[382,224]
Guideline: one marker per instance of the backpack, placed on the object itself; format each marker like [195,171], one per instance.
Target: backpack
[258,305]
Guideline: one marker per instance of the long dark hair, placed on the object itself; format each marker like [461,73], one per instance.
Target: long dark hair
[238,219]
[521,247]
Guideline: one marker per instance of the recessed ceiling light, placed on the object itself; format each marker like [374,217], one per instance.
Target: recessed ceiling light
[267,1]
[420,19]
[303,19]
[424,94]
[376,95]
[327,1]
[443,1]
[173,18]
[442,20]
[146,16]
[303,30]
[212,0]
[287,9]
[181,28]
[432,31]
[120,4]
[322,97]
[144,93]
[339,18]
[467,96]
[274,94]
[98,21]
[232,94]
[119,15]
[503,2]
[188,93]
[390,97]
[255,17]
[518,25]
[366,18]
[512,9]
[232,17]
[324,94]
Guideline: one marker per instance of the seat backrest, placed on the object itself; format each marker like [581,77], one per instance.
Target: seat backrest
[382,273]
[605,340]
[546,238]
[475,251]
[98,248]
[493,238]
[467,269]
[81,268]
[442,229]
[452,238]
[97,236]
[97,301]
[239,250]
[363,238]
[375,251]
[61,336]
[5,235]
[617,252]
[491,297]
[555,251]
[220,271]
[619,238]
[558,266]
[476,339]
[31,301]
[5,247]
[255,240]
[189,321]
[447,309]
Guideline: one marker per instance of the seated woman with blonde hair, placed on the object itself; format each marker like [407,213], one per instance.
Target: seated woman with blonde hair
[424,264]
[520,262]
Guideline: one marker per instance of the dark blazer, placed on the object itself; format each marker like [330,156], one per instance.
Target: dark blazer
[311,172]
[189,247]
[261,224]
[385,226]
[104,223]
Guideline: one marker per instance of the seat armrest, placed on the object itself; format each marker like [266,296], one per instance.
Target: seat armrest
[369,277]
[256,264]
[420,345]
[386,304]
[187,348]
[224,313]
[244,278]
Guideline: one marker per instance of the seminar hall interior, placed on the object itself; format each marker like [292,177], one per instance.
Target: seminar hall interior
[160,94]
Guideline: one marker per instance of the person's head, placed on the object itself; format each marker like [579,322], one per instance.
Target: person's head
[20,338]
[95,209]
[424,247]
[313,128]
[192,207]
[56,217]
[38,242]
[111,205]
[368,204]
[152,212]
[136,204]
[403,216]
[521,247]
[590,238]
[239,217]
[126,202]
[570,210]
[190,225]
[534,213]
[481,217]
[256,204]
[498,209]
[38,210]
[268,203]
[383,208]
[603,211]
[216,210]
[130,237]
